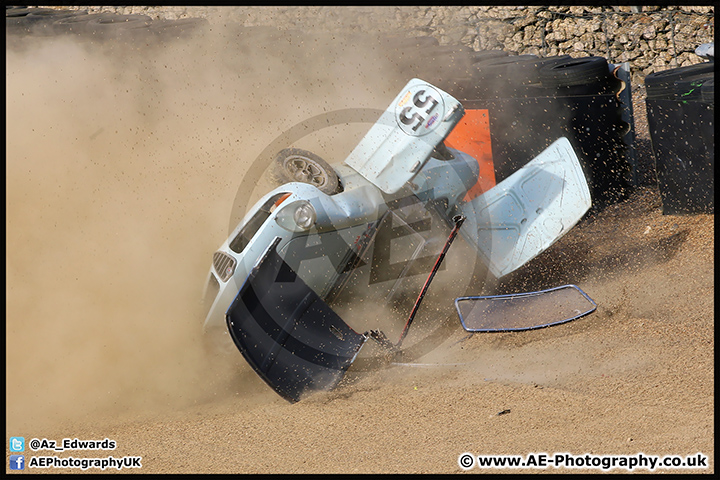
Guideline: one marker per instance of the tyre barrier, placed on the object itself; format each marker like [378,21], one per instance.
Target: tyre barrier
[707,91]
[520,128]
[512,70]
[23,21]
[104,25]
[574,72]
[482,55]
[531,101]
[532,76]
[177,29]
[661,85]
[438,65]
[73,25]
[35,21]
[680,109]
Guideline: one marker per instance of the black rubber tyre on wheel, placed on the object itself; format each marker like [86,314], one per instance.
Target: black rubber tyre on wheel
[298,165]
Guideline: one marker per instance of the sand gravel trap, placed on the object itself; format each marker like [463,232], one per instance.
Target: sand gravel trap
[122,166]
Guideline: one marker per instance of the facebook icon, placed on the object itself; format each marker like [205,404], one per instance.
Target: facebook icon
[17,462]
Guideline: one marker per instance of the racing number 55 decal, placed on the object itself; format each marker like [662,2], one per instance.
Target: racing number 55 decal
[424,111]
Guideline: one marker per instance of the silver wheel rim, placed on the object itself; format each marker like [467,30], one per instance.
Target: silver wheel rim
[304,170]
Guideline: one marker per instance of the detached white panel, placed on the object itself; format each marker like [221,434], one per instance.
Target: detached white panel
[527,212]
[401,141]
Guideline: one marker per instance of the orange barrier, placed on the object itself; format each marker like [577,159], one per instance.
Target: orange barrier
[472,136]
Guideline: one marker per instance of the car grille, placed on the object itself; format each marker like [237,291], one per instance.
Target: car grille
[224,265]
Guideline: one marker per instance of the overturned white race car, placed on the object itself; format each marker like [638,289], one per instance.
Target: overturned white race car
[319,238]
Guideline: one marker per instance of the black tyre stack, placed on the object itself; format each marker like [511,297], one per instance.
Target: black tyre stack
[35,21]
[25,21]
[532,101]
[680,108]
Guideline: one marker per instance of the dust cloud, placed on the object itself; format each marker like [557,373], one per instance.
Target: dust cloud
[123,160]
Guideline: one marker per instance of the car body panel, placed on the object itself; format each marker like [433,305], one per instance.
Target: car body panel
[287,333]
[401,141]
[527,212]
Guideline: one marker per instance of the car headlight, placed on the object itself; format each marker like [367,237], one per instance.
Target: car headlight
[297,216]
[304,214]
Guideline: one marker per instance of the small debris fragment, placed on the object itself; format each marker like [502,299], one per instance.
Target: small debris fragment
[503,412]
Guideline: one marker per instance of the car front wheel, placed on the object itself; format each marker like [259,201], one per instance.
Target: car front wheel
[297,165]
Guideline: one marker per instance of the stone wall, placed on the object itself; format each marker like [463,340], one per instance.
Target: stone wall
[650,38]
